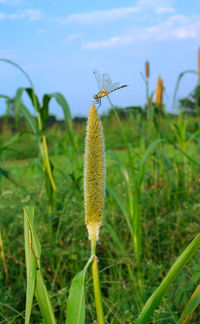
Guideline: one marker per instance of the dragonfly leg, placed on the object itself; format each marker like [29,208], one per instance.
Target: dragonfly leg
[97,103]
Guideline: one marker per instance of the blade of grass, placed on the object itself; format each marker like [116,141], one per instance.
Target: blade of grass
[178,83]
[40,288]
[3,259]
[43,299]
[9,177]
[62,102]
[178,265]
[30,262]
[121,206]
[76,299]
[144,159]
[186,154]
[190,307]
[11,141]
[19,68]
[29,119]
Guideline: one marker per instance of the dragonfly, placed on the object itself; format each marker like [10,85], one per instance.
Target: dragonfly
[105,86]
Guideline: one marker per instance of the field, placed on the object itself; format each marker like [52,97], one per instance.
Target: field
[152,196]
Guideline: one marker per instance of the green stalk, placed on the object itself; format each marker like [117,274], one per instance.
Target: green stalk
[47,162]
[97,289]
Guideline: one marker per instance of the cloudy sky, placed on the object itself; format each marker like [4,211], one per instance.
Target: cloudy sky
[60,43]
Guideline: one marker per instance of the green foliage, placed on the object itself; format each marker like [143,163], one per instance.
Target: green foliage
[151,215]
[168,210]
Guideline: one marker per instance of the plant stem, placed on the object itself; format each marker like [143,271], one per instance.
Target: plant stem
[97,292]
[96,286]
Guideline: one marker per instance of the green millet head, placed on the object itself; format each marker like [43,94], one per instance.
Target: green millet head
[94,175]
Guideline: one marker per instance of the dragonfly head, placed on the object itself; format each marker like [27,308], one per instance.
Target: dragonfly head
[96,97]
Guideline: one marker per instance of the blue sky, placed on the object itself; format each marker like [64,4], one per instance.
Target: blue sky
[60,43]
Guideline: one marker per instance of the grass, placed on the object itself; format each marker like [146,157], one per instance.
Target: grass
[169,209]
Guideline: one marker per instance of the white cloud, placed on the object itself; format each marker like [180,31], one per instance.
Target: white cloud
[11,2]
[99,16]
[156,6]
[176,27]
[30,14]
[111,42]
[71,37]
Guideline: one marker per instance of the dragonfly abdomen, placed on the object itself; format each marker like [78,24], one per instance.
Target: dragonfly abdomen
[123,86]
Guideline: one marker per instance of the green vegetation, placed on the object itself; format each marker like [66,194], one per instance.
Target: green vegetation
[168,207]
[148,249]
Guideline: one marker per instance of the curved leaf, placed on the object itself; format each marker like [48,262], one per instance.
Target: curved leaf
[34,274]
[76,299]
[178,265]
[29,119]
[190,307]
[62,102]
[30,262]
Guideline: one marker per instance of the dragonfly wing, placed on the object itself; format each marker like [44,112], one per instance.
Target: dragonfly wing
[106,82]
[115,86]
[99,79]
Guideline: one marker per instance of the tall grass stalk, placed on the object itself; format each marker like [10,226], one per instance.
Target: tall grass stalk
[146,81]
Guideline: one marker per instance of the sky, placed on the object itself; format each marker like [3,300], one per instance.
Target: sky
[60,43]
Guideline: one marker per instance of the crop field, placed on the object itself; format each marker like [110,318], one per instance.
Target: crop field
[149,240]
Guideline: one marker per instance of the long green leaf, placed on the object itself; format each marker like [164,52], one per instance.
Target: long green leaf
[44,111]
[62,102]
[4,96]
[29,119]
[121,205]
[190,307]
[40,288]
[178,83]
[5,173]
[76,299]
[18,102]
[19,68]
[11,141]
[43,299]
[34,99]
[143,161]
[186,154]
[30,262]
[178,265]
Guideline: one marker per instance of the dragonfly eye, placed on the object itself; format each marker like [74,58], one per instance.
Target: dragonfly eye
[95,97]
